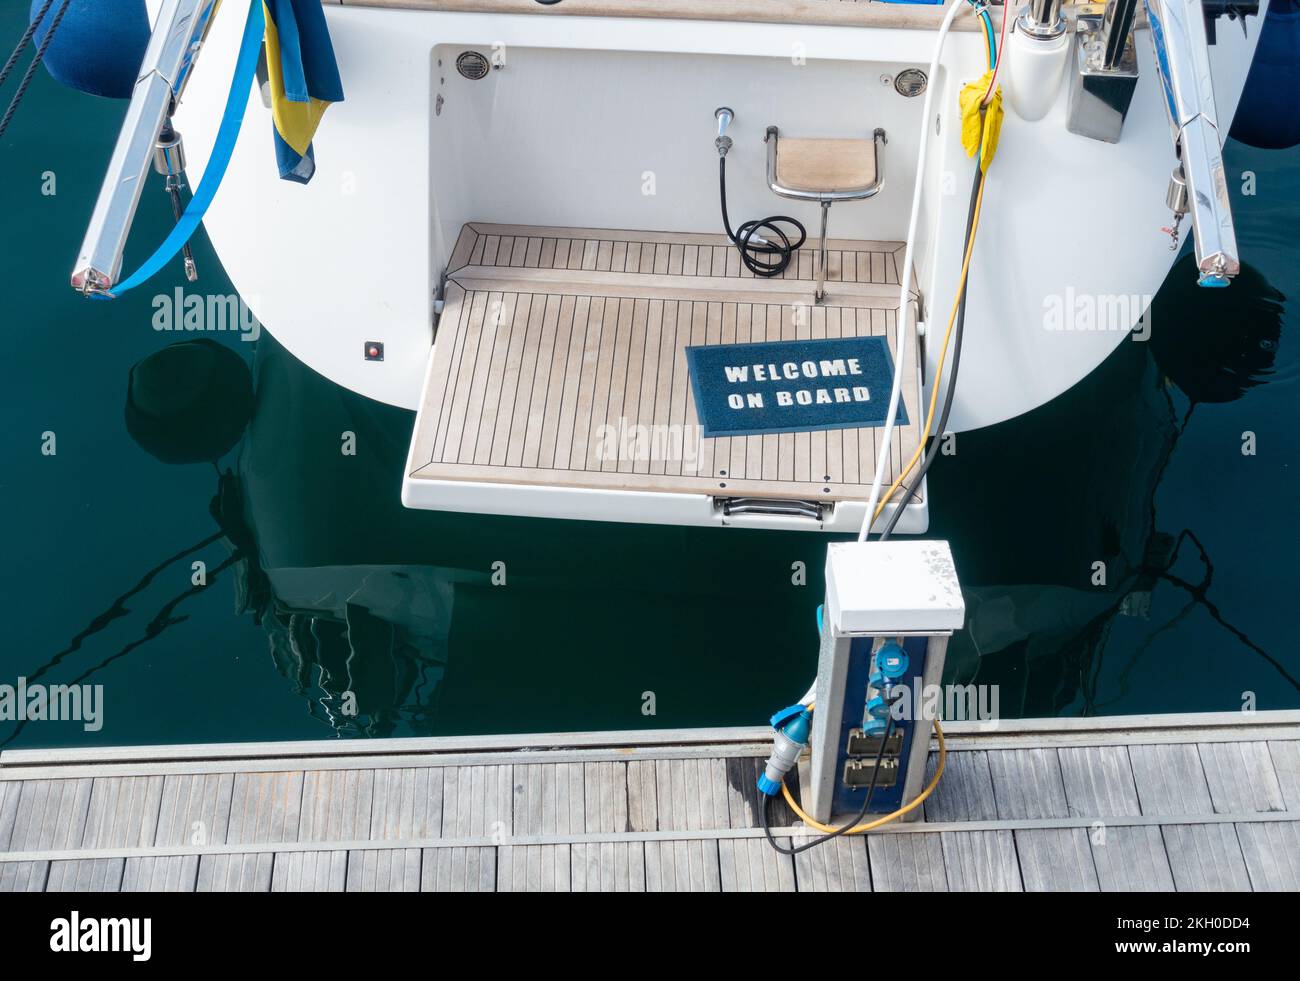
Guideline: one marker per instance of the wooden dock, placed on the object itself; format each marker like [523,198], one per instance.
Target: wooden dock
[1162,803]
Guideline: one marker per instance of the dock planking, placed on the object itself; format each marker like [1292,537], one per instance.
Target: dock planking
[1186,803]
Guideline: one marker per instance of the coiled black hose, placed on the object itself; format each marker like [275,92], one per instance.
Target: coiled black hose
[773,253]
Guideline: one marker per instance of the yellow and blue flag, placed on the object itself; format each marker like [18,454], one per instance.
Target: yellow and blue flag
[304,79]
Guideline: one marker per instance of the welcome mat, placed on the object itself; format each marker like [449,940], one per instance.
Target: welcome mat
[792,386]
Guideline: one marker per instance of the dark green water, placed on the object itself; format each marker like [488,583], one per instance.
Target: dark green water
[1140,467]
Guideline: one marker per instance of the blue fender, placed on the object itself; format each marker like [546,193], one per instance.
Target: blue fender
[99,44]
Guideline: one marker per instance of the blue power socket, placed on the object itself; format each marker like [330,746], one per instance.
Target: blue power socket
[848,799]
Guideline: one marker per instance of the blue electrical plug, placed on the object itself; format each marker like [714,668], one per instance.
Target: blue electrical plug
[878,708]
[874,727]
[892,661]
[793,726]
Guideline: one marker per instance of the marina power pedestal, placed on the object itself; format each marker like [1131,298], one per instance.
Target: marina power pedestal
[890,609]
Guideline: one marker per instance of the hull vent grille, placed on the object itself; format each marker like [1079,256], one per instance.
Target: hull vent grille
[472,65]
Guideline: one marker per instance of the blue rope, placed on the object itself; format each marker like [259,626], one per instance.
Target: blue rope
[228,132]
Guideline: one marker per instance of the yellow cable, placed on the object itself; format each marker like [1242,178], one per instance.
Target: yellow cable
[929,421]
[877,822]
[943,350]
[943,353]
[934,398]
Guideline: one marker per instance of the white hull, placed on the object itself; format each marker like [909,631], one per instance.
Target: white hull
[592,114]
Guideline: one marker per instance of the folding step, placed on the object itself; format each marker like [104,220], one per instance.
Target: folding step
[558,385]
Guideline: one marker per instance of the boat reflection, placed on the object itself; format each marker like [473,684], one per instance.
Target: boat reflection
[388,621]
[1084,472]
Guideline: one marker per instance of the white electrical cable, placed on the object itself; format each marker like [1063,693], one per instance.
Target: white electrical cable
[1007,15]
[901,325]
[905,276]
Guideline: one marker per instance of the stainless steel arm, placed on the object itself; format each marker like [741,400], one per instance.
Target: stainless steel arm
[173,48]
[1183,62]
[1040,18]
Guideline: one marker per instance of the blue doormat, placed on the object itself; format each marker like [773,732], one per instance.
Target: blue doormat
[792,386]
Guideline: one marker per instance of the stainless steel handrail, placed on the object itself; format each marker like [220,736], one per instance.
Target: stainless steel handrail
[1183,63]
[168,60]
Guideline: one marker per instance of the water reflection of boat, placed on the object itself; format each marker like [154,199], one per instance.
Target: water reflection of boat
[358,619]
[327,529]
[358,632]
[338,573]
[1039,619]
[361,637]
[365,644]
[348,609]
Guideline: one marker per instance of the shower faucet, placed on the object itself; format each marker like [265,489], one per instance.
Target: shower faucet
[724,117]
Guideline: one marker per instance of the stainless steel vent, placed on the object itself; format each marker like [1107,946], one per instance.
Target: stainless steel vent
[473,65]
[910,82]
